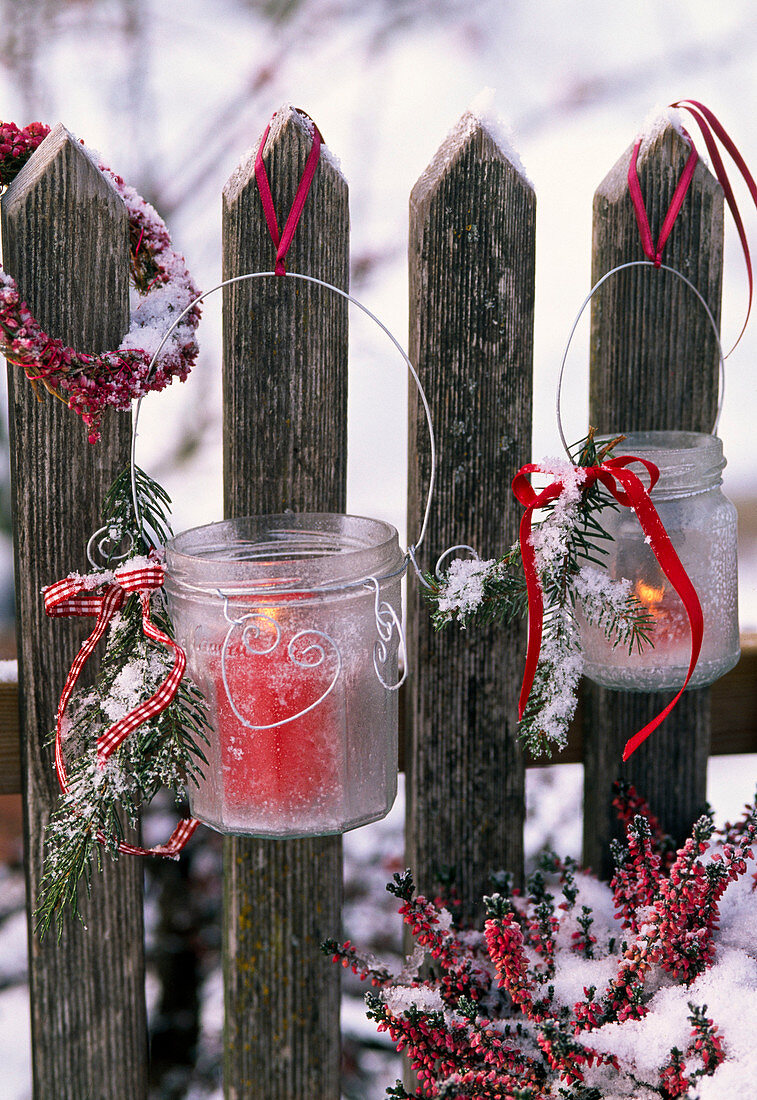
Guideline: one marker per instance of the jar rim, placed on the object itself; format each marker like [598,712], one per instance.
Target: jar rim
[284,552]
[686,460]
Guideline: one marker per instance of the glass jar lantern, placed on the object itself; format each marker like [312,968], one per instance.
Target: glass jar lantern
[291,626]
[701,524]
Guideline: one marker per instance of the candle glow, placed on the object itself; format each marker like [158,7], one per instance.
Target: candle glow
[279,617]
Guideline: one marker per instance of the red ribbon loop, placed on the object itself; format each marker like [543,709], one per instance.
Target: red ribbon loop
[629,491]
[711,129]
[282,241]
[652,251]
[75,596]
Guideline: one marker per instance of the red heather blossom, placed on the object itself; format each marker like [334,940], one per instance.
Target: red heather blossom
[16,146]
[687,905]
[440,1053]
[504,940]
[489,1022]
[629,804]
[673,1080]
[460,976]
[706,1047]
[89,383]
[364,966]
[637,875]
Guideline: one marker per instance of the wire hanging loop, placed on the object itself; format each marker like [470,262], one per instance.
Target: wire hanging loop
[584,304]
[353,301]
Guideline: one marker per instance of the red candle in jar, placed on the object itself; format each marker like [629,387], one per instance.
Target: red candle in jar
[292,767]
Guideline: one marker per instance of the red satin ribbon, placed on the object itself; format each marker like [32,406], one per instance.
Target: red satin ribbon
[628,489]
[282,241]
[711,128]
[651,250]
[71,596]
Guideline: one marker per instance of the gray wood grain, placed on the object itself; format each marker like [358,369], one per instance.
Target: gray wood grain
[654,366]
[285,395]
[65,241]
[471,336]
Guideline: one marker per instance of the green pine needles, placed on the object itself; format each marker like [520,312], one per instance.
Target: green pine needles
[162,752]
[569,545]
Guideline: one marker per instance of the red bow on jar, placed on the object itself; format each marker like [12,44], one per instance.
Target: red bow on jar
[629,491]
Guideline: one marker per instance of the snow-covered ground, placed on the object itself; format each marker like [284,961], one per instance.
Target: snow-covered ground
[173,92]
[372,854]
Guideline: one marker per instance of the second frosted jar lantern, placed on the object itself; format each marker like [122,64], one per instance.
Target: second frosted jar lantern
[701,524]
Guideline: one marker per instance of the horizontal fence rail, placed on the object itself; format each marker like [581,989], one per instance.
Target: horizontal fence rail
[734,721]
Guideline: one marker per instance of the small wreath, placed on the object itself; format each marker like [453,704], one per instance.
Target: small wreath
[88,382]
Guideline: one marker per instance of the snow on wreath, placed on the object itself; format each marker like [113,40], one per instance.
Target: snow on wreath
[162,288]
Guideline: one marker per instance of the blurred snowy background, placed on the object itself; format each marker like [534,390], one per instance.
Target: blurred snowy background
[172,93]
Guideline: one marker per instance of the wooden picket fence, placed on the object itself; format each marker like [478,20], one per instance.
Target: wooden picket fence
[472,227]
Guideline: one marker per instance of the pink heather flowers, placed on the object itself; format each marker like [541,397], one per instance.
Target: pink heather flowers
[16,146]
[88,382]
[575,990]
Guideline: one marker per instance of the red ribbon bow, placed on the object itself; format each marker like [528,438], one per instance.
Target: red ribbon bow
[628,489]
[74,595]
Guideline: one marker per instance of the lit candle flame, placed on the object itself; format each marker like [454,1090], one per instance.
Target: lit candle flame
[649,595]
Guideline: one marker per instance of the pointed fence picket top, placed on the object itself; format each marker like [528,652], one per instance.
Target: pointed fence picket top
[654,366]
[472,216]
[65,241]
[285,409]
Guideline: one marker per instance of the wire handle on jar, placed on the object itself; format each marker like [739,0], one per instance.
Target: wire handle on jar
[590,295]
[354,301]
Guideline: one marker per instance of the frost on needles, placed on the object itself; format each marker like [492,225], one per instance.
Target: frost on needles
[103,803]
[568,549]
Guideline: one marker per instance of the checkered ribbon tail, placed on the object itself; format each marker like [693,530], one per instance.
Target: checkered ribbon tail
[75,596]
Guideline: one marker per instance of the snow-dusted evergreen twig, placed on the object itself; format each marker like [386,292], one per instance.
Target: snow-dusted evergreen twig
[164,751]
[568,549]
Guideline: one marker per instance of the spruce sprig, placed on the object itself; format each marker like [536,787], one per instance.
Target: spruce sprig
[503,599]
[166,751]
[154,507]
[572,579]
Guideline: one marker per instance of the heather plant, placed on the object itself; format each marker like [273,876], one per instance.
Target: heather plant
[579,990]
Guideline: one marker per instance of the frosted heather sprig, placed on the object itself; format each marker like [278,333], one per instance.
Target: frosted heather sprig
[524,1036]
[637,873]
[90,382]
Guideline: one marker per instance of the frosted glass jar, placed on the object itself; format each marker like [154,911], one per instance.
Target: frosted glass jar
[290,625]
[701,523]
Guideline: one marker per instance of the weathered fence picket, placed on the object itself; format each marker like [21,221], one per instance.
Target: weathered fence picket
[654,366]
[472,224]
[285,436]
[65,241]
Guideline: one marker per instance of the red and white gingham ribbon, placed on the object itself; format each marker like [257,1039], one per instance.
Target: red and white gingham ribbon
[73,596]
